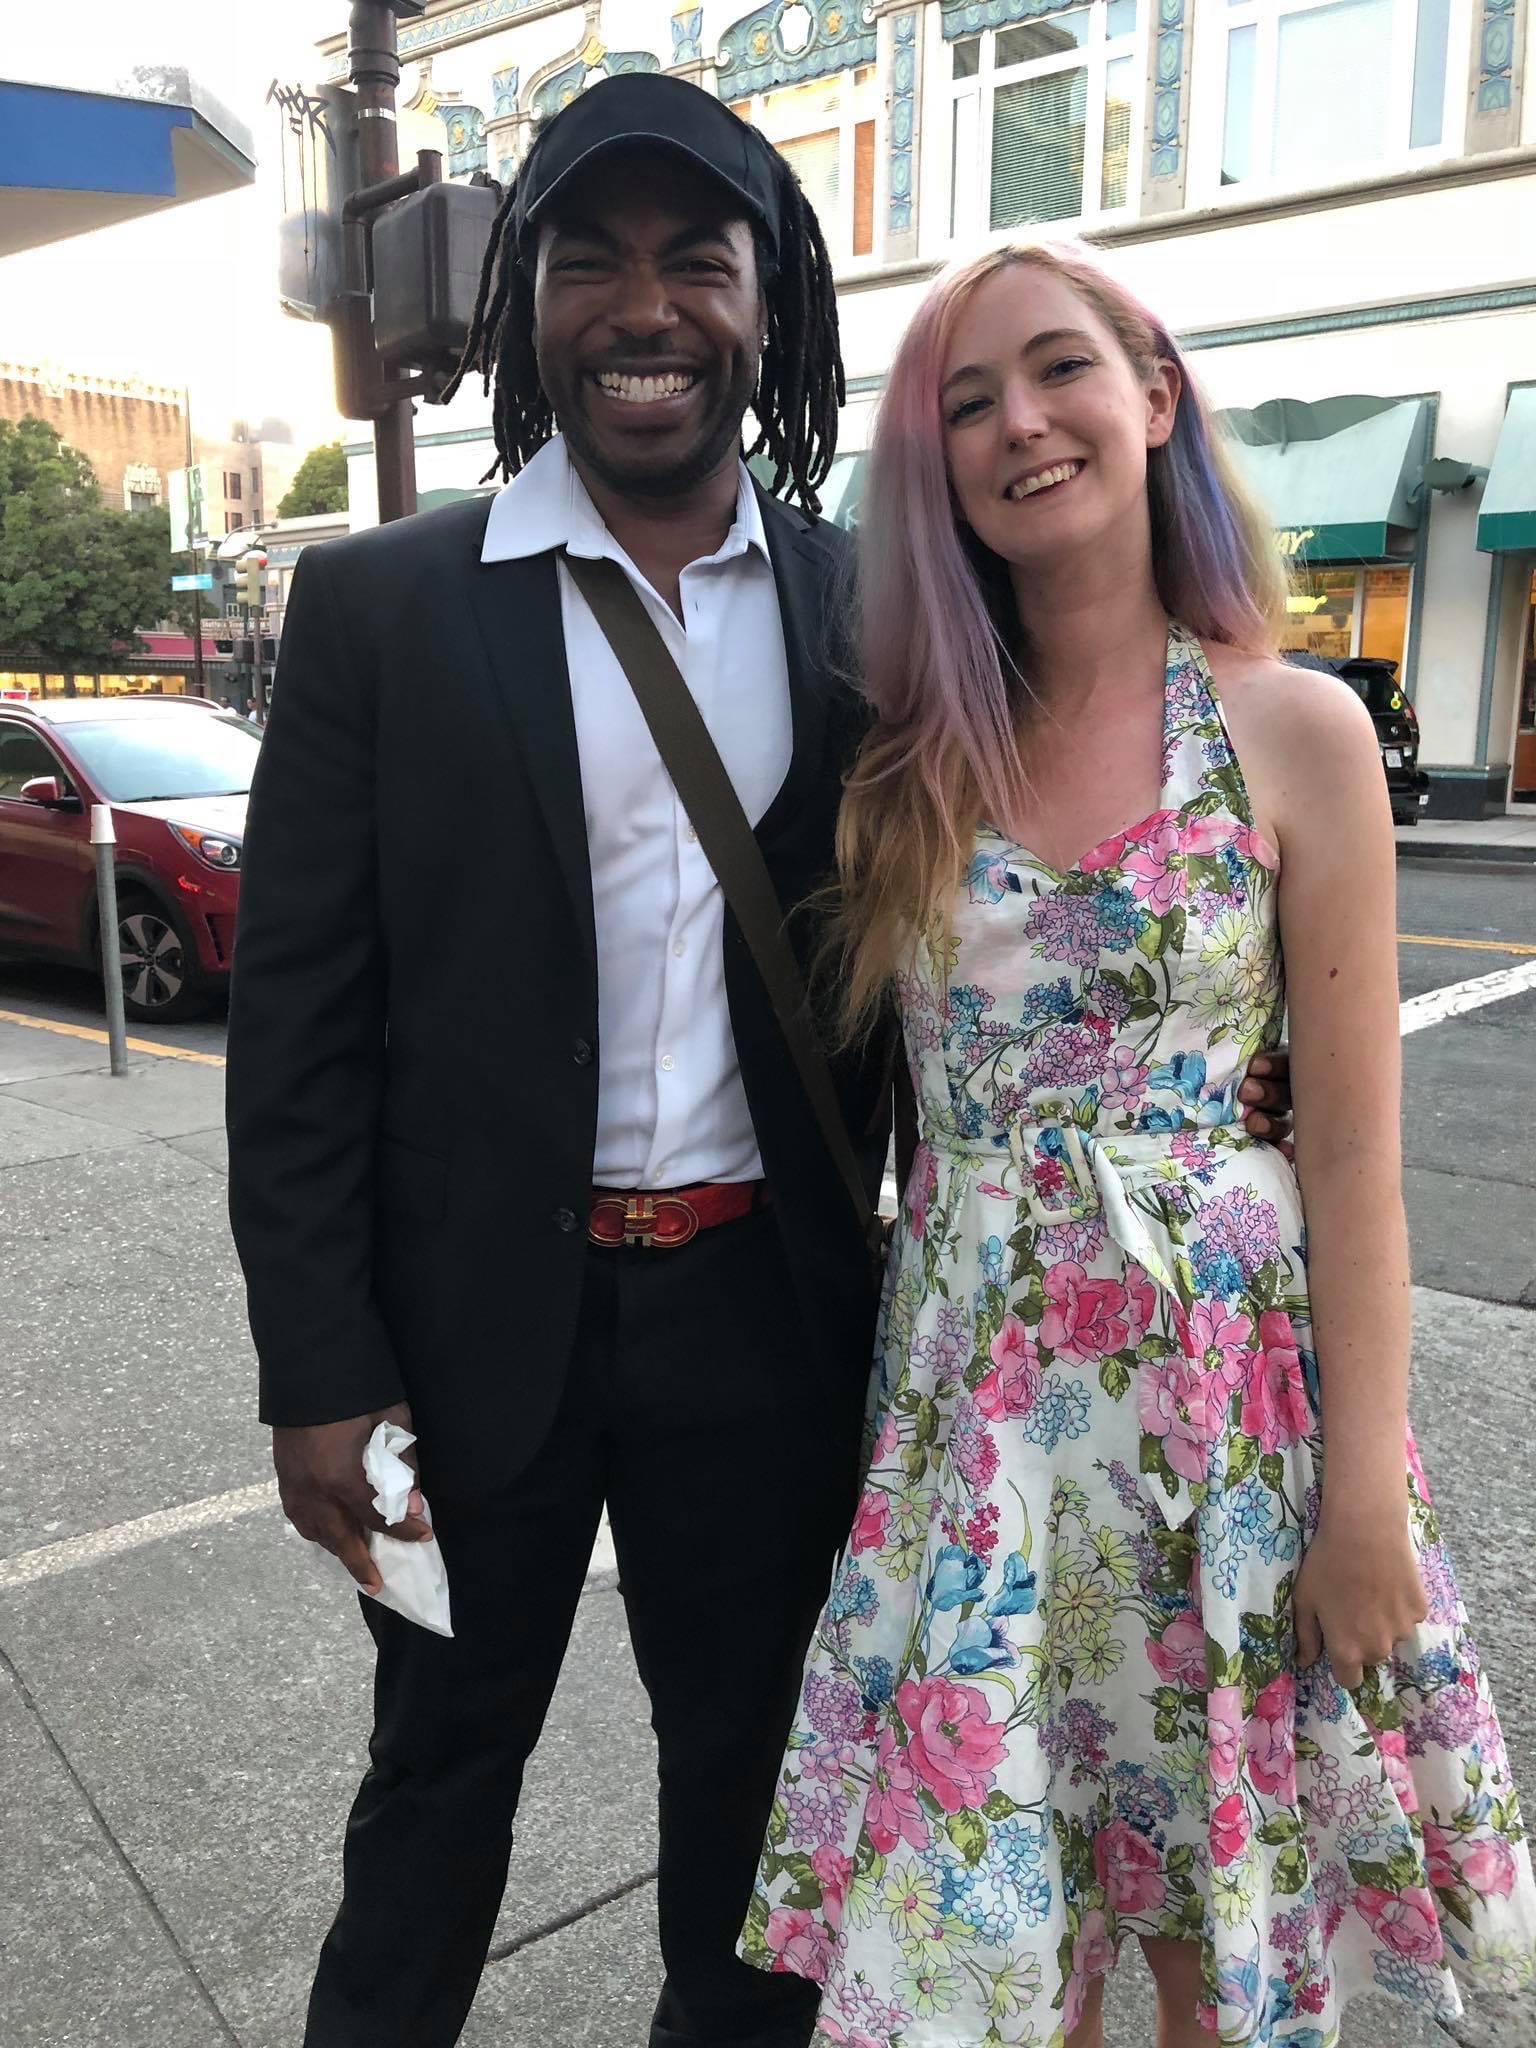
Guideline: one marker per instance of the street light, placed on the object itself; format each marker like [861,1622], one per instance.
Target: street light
[250,581]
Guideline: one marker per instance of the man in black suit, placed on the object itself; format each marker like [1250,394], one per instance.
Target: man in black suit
[489,1010]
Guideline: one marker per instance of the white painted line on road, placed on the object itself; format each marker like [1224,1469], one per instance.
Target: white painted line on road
[100,1544]
[1437,1004]
[218,1510]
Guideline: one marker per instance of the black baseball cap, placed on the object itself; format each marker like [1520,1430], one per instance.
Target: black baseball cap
[647,109]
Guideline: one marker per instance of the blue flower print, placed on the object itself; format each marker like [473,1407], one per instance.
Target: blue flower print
[988,878]
[980,1645]
[992,1261]
[1184,1074]
[877,1681]
[1017,1595]
[957,1577]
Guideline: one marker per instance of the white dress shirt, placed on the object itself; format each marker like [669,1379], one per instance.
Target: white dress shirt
[671,1110]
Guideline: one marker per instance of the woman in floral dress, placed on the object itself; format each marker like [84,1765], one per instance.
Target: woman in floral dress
[1110,1650]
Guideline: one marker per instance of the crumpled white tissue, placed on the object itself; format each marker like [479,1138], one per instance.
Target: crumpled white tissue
[415,1577]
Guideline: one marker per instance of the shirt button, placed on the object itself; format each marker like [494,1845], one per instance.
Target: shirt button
[667,1063]
[679,948]
[692,836]
[581,1053]
[565,1219]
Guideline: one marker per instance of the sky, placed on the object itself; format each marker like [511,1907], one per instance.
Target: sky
[188,296]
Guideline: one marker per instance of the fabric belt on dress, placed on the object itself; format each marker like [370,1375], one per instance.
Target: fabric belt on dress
[661,1219]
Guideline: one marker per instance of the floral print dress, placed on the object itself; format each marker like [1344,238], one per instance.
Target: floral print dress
[1053,1698]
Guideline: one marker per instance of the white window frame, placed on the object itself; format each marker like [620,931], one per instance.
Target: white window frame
[970,195]
[1208,98]
[859,102]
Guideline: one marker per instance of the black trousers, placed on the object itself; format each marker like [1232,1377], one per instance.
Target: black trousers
[725,1443]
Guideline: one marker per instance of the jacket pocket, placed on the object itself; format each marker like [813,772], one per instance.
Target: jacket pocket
[411,1183]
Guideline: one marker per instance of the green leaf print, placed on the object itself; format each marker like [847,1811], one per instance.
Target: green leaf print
[914,1460]
[1222,1667]
[1242,1458]
[968,1832]
[1030,1306]
[1282,1829]
[1272,1471]
[1000,1807]
[1377,1875]
[1143,987]
[1149,939]
[778,1822]
[1115,1378]
[927,1421]
[1289,1873]
[1181,1860]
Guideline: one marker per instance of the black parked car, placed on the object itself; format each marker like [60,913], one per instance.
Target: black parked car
[1374,682]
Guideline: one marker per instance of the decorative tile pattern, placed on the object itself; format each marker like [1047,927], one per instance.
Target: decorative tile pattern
[562,88]
[903,90]
[465,129]
[464,21]
[764,50]
[970,17]
[1167,89]
[504,85]
[1495,57]
[687,36]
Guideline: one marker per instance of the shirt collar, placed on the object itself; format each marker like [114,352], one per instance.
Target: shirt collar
[546,506]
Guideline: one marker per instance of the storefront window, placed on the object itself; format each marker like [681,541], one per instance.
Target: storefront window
[1522,784]
[1341,612]
[825,130]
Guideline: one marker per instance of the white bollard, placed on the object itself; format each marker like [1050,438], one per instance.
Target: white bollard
[104,840]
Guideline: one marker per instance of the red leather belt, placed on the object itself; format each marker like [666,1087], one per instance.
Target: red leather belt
[661,1219]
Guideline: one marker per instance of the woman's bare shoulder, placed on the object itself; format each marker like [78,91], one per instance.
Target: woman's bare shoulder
[1286,709]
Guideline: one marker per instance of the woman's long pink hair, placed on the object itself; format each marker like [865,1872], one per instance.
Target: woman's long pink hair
[939,636]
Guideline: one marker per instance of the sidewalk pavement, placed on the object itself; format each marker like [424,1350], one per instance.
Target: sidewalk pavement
[183,1684]
[1508,840]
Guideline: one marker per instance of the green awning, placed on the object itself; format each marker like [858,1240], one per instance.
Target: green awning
[1339,476]
[1506,524]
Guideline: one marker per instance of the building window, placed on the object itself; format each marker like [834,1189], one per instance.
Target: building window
[1313,92]
[1342,612]
[143,501]
[825,130]
[231,522]
[1046,118]
[232,485]
[255,483]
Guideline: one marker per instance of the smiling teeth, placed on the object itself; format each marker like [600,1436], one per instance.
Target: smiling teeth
[644,390]
[1033,485]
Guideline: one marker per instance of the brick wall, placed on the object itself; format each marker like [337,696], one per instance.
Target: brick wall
[115,426]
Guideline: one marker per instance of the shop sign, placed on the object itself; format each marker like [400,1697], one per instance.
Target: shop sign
[1292,540]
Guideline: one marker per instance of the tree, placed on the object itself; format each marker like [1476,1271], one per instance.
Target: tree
[320,485]
[79,580]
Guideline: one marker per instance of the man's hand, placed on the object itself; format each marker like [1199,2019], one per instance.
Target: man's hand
[327,1497]
[1266,1095]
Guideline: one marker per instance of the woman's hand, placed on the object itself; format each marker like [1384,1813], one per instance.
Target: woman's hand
[1359,1591]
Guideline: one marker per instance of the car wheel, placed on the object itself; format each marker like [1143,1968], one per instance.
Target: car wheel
[160,977]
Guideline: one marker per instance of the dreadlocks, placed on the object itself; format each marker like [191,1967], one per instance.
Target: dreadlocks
[800,384]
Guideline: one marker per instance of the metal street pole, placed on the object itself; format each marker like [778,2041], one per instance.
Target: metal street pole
[104,843]
[374,70]
[197,595]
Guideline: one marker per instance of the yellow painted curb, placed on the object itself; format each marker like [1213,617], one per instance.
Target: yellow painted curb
[93,1037]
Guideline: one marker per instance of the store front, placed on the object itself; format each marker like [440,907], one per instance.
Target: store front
[1340,477]
[1506,529]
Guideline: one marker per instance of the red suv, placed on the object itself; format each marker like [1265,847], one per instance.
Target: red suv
[175,772]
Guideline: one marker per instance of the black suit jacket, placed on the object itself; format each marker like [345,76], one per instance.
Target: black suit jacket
[414,1055]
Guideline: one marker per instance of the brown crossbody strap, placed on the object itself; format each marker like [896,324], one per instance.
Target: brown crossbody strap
[698,774]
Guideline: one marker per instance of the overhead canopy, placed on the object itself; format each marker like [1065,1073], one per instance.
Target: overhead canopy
[1507,522]
[71,162]
[1338,476]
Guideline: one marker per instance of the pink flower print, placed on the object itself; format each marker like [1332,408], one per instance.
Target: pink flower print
[1218,1338]
[955,1746]
[1205,835]
[1272,1740]
[1093,1953]
[922,1186]
[832,1870]
[1439,1863]
[1122,1080]
[1140,1300]
[1154,863]
[1224,1733]
[889,1437]
[1229,1829]
[1184,1406]
[1084,1321]
[1179,1658]
[893,1814]
[1405,1921]
[1420,1483]
[869,1528]
[1394,1755]
[1127,1867]
[1013,1385]
[829,2030]
[1489,1867]
[1275,1405]
[799,1945]
[1252,845]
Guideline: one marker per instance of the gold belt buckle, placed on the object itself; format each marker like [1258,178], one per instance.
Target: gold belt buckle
[642,1218]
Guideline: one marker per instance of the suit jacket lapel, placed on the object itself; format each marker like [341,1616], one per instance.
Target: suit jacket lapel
[516,606]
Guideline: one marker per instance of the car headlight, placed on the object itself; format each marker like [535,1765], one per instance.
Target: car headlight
[213,849]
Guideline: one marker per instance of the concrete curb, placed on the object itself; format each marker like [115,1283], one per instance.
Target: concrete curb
[1486,854]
